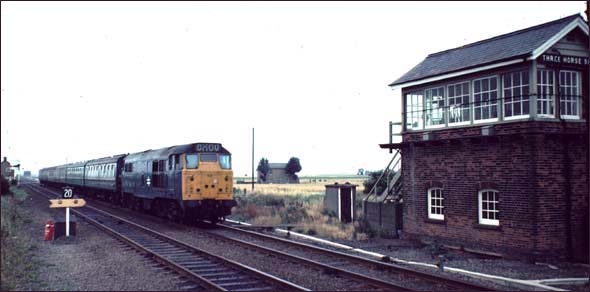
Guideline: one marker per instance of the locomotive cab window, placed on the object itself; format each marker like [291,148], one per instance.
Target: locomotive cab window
[208,157]
[177,161]
[192,161]
[225,161]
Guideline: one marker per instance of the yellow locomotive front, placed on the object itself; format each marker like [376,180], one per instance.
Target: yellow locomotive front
[207,182]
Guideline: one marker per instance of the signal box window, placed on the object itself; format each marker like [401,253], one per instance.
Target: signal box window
[485,99]
[414,111]
[435,104]
[192,161]
[546,92]
[570,93]
[516,94]
[459,103]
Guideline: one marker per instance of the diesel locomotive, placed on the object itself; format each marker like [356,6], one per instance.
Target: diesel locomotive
[191,182]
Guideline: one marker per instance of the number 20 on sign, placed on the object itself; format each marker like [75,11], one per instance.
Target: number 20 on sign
[68,193]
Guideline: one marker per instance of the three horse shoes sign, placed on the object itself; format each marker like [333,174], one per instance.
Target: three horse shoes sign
[67,201]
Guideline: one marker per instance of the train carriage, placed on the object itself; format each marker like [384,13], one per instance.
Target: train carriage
[190,182]
[101,176]
[47,176]
[75,174]
[60,174]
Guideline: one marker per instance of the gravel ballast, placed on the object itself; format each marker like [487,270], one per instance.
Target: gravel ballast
[396,248]
[89,261]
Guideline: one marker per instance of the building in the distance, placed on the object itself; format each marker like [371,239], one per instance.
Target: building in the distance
[6,169]
[494,144]
[277,174]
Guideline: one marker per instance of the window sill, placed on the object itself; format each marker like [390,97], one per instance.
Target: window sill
[436,221]
[488,227]
[465,123]
[568,117]
[485,121]
[515,118]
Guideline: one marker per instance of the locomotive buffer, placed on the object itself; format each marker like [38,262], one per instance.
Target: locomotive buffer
[67,201]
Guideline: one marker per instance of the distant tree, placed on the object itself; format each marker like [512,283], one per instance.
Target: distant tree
[370,182]
[293,166]
[263,168]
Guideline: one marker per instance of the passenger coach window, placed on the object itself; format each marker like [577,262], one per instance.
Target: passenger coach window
[192,161]
[208,157]
[224,161]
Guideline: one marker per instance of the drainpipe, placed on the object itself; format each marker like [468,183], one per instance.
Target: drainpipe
[534,197]
[565,170]
[568,202]
[568,197]
[566,167]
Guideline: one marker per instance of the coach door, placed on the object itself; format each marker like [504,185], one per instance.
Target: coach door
[173,169]
[158,175]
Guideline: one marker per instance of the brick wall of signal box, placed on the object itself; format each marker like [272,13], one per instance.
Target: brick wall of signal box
[525,162]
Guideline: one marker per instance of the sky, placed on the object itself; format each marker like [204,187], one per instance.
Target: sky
[84,80]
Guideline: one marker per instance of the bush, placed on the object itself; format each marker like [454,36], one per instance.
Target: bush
[381,186]
[307,212]
[293,213]
[362,226]
[5,186]
[18,268]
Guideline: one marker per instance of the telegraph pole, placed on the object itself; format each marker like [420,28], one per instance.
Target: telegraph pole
[252,159]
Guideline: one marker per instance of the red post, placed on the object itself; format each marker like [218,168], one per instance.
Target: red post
[49,227]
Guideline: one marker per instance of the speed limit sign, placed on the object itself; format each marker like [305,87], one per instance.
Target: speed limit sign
[68,193]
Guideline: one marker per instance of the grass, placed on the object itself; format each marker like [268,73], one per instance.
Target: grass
[306,187]
[298,205]
[18,269]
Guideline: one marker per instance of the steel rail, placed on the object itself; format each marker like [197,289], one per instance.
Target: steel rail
[315,264]
[162,258]
[383,265]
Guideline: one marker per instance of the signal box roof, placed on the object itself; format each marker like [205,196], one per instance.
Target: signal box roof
[521,44]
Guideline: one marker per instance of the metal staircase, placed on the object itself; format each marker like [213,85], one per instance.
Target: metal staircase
[382,208]
[392,174]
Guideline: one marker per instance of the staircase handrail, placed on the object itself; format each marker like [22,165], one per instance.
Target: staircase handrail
[371,192]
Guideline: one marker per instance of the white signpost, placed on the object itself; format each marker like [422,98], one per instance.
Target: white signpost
[68,194]
[67,202]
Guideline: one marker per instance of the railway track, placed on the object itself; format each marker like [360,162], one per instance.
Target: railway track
[362,273]
[372,271]
[206,270]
